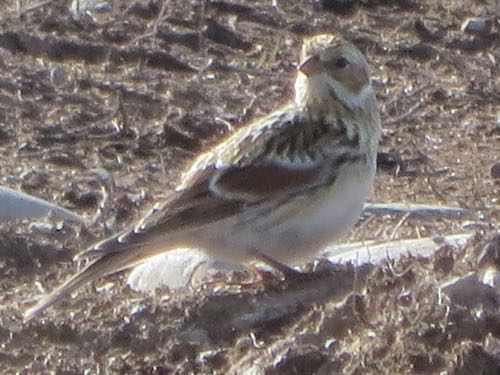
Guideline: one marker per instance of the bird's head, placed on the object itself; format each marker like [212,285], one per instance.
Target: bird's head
[332,69]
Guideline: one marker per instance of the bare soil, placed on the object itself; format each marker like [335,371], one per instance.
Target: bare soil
[104,109]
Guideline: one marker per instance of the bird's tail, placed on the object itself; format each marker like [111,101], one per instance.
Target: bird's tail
[107,264]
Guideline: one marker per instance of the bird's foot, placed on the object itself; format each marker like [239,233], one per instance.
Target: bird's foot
[289,274]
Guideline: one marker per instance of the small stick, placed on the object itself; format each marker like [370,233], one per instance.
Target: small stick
[34,7]
[421,211]
[404,116]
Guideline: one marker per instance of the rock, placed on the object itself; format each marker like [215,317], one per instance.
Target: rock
[471,293]
[176,269]
[47,228]
[490,254]
[491,277]
[421,51]
[476,26]
[59,76]
[15,205]
[79,7]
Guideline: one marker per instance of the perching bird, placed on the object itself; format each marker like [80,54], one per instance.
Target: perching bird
[277,190]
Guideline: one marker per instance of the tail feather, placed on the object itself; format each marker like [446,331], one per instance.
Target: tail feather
[106,265]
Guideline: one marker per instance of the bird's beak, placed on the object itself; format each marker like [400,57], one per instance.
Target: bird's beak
[311,66]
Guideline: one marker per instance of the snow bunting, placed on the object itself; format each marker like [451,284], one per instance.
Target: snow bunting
[279,189]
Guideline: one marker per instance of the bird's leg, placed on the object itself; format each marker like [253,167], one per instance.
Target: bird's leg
[288,272]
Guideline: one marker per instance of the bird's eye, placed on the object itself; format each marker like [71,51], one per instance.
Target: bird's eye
[341,62]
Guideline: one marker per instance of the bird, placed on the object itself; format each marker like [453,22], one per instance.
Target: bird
[277,190]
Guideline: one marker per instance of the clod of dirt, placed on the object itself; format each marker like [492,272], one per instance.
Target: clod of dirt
[421,52]
[495,170]
[218,33]
[146,11]
[65,50]
[476,26]
[343,7]
[4,136]
[490,254]
[83,199]
[425,33]
[427,363]
[475,44]
[177,138]
[300,360]
[23,253]
[390,162]
[475,360]
[471,293]
[188,39]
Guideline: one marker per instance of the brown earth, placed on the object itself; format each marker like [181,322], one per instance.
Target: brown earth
[103,110]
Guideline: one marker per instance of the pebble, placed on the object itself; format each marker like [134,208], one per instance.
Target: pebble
[93,6]
[476,26]
[46,228]
[59,76]
[495,170]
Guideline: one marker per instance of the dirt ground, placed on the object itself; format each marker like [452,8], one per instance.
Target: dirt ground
[101,109]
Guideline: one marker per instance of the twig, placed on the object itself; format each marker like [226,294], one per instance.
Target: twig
[421,211]
[156,23]
[355,233]
[433,187]
[141,37]
[34,7]
[405,115]
[375,253]
[398,225]
[409,95]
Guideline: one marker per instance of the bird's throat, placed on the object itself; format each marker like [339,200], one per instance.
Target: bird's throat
[321,92]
